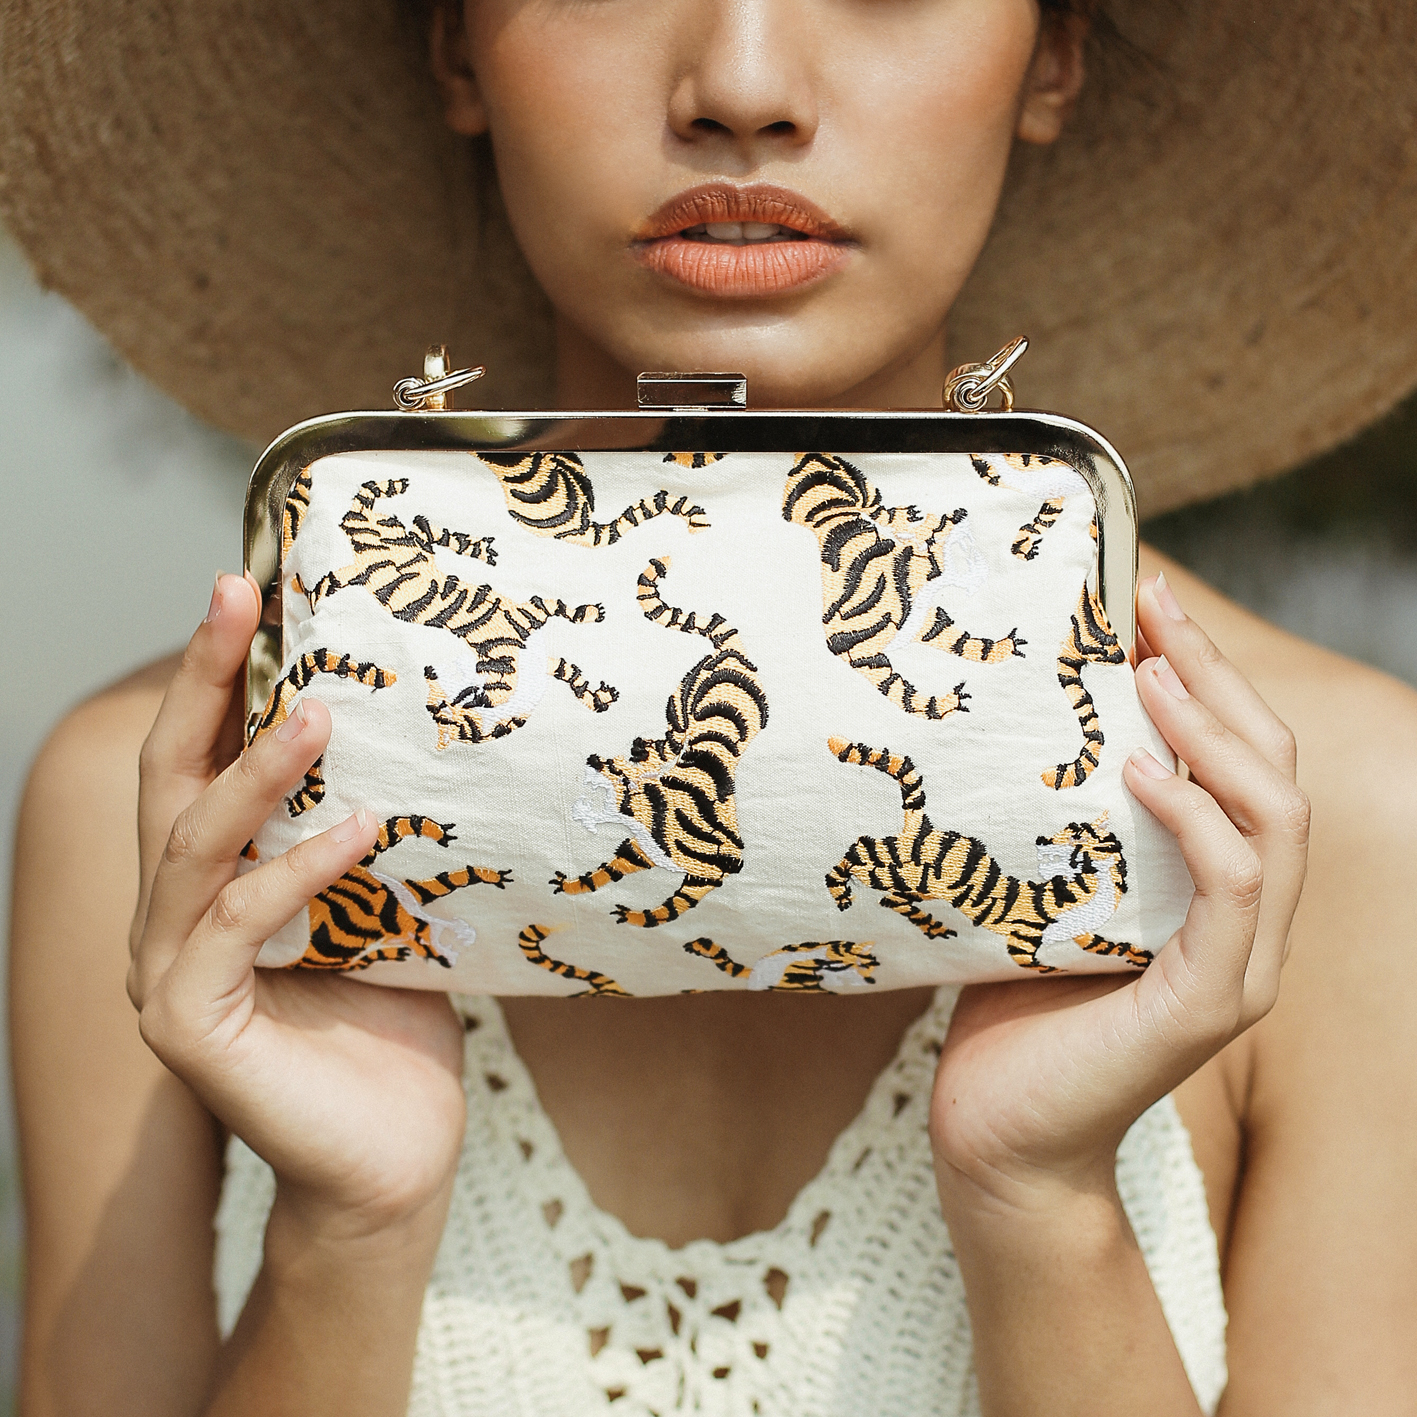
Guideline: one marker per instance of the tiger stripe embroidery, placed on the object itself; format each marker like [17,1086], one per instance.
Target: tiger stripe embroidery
[1029,540]
[597,984]
[367,917]
[396,565]
[799,968]
[1089,640]
[297,503]
[1086,875]
[459,719]
[694,460]
[876,564]
[282,700]
[551,494]
[676,794]
[1035,476]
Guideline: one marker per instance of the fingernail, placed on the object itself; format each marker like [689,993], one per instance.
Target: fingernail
[1166,599]
[1169,680]
[294,726]
[350,827]
[214,609]
[1148,766]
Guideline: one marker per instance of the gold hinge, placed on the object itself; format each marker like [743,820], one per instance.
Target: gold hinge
[969,387]
[433,393]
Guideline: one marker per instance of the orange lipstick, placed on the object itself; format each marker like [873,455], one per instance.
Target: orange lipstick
[743,243]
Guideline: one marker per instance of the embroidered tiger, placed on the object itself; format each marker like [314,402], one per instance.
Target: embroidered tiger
[396,566]
[801,968]
[1035,476]
[367,918]
[1089,640]
[877,563]
[282,700]
[675,794]
[1083,869]
[695,460]
[597,984]
[551,494]
[297,503]
[458,718]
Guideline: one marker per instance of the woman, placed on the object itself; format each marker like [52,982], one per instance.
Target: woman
[799,190]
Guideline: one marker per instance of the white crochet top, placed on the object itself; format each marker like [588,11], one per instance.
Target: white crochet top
[542,1305]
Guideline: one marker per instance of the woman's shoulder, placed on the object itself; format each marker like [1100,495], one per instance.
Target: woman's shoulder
[1323,1091]
[1352,968]
[101,735]
[80,799]
[1325,1087]
[120,1163]
[1355,727]
[1355,734]
[123,704]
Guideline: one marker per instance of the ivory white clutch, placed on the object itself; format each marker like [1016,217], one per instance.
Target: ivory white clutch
[704,697]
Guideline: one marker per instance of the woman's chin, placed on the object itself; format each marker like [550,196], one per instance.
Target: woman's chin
[824,346]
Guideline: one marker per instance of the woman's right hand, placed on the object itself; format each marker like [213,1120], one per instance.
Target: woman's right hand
[351,1093]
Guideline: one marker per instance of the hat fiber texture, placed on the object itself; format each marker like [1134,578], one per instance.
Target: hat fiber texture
[259,204]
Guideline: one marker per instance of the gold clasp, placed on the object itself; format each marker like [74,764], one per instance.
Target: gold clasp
[691,392]
[968,388]
[433,393]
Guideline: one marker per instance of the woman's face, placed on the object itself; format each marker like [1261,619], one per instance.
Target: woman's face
[792,188]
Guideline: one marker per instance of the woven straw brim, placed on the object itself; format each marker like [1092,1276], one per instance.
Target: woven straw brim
[260,206]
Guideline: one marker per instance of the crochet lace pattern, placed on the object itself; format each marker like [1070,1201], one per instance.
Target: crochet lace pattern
[541,1304]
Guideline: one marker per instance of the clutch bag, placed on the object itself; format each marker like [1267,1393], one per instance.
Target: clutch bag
[700,696]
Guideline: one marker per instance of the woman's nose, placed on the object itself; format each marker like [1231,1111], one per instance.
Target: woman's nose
[746,76]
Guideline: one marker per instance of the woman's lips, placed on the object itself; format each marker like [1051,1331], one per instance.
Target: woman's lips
[741,242]
[754,270]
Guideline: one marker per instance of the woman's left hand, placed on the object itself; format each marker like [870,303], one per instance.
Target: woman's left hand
[1039,1080]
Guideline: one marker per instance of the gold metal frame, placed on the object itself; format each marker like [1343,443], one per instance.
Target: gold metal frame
[714,431]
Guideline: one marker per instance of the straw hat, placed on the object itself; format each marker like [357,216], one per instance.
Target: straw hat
[259,204]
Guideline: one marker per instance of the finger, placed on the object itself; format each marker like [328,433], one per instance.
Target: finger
[200,692]
[1208,675]
[208,983]
[207,839]
[1205,962]
[1260,799]
[1256,795]
[181,754]
[191,738]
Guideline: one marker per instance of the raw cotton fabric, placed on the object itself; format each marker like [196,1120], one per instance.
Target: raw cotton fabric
[641,724]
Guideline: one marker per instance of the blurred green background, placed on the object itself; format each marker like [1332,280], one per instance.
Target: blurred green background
[118,508]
